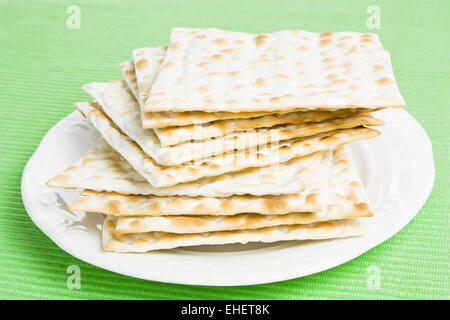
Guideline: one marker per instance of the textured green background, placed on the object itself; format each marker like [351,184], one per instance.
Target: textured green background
[43,65]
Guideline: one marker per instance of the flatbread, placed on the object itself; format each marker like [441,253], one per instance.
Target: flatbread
[142,242]
[116,204]
[149,61]
[83,174]
[146,65]
[102,168]
[215,70]
[120,106]
[169,136]
[174,135]
[346,200]
[146,70]
[344,189]
[129,75]
[345,182]
[140,82]
[169,118]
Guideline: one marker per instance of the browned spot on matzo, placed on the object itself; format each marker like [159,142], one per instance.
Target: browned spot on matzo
[142,64]
[260,39]
[260,82]
[384,81]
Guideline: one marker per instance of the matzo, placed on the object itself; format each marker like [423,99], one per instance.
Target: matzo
[215,70]
[213,166]
[102,168]
[309,199]
[146,65]
[143,71]
[127,69]
[174,135]
[346,200]
[142,242]
[116,204]
[121,107]
[169,136]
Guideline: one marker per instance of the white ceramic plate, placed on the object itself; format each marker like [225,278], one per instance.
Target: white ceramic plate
[396,168]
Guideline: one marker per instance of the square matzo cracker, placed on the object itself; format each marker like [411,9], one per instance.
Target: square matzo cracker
[215,70]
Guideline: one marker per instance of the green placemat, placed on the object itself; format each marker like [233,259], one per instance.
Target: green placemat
[43,64]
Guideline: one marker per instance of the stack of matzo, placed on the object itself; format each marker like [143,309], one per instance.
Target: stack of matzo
[226,137]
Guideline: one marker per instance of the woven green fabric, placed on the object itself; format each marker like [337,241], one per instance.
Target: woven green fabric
[43,65]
